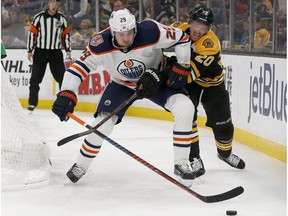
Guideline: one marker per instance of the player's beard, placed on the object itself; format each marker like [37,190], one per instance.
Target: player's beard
[125,44]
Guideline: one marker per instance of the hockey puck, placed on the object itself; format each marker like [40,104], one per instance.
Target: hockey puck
[231,212]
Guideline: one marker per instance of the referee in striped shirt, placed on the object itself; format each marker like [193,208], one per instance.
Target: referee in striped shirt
[48,33]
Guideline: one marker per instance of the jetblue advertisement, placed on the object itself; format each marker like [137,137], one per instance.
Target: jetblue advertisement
[257,87]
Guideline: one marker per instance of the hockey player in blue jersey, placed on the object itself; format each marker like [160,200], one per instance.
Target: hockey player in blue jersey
[133,55]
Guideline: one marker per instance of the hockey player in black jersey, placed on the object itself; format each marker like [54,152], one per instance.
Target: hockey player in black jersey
[206,85]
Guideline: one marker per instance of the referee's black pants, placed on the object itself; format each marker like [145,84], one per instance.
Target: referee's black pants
[40,59]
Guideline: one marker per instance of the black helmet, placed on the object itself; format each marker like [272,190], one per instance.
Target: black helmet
[202,14]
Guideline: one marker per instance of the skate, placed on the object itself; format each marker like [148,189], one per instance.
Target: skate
[75,173]
[197,167]
[233,160]
[183,171]
[31,109]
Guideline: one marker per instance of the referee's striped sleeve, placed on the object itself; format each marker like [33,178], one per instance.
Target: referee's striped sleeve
[66,41]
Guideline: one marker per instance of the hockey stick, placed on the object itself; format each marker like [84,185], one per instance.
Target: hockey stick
[92,129]
[207,199]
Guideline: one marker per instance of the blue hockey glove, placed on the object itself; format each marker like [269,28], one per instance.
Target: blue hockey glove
[65,102]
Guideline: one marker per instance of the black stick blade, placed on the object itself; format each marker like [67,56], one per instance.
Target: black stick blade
[74,136]
[224,196]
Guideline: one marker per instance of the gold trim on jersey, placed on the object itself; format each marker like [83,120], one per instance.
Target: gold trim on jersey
[181,25]
[207,82]
[195,73]
[205,54]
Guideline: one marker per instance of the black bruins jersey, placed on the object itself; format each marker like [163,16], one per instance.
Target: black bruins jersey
[205,58]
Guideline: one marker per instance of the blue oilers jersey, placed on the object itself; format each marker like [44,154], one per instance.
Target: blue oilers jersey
[127,65]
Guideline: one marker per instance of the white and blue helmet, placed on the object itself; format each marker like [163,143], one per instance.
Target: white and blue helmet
[122,20]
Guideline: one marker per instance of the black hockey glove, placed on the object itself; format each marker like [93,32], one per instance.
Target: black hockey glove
[171,60]
[65,102]
[177,75]
[149,83]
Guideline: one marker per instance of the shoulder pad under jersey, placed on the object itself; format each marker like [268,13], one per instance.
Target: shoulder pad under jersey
[148,33]
[181,25]
[207,45]
[101,42]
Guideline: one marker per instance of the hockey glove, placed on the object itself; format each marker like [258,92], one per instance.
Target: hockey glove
[149,83]
[177,75]
[65,102]
[171,60]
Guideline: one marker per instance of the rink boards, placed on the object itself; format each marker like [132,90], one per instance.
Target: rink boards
[257,88]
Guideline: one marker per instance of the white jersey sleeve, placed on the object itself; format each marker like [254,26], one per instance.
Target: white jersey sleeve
[174,37]
[126,66]
[79,70]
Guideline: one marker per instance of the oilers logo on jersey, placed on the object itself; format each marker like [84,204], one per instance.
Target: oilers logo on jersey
[131,68]
[126,66]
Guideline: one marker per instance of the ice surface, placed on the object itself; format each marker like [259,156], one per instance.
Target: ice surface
[118,185]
